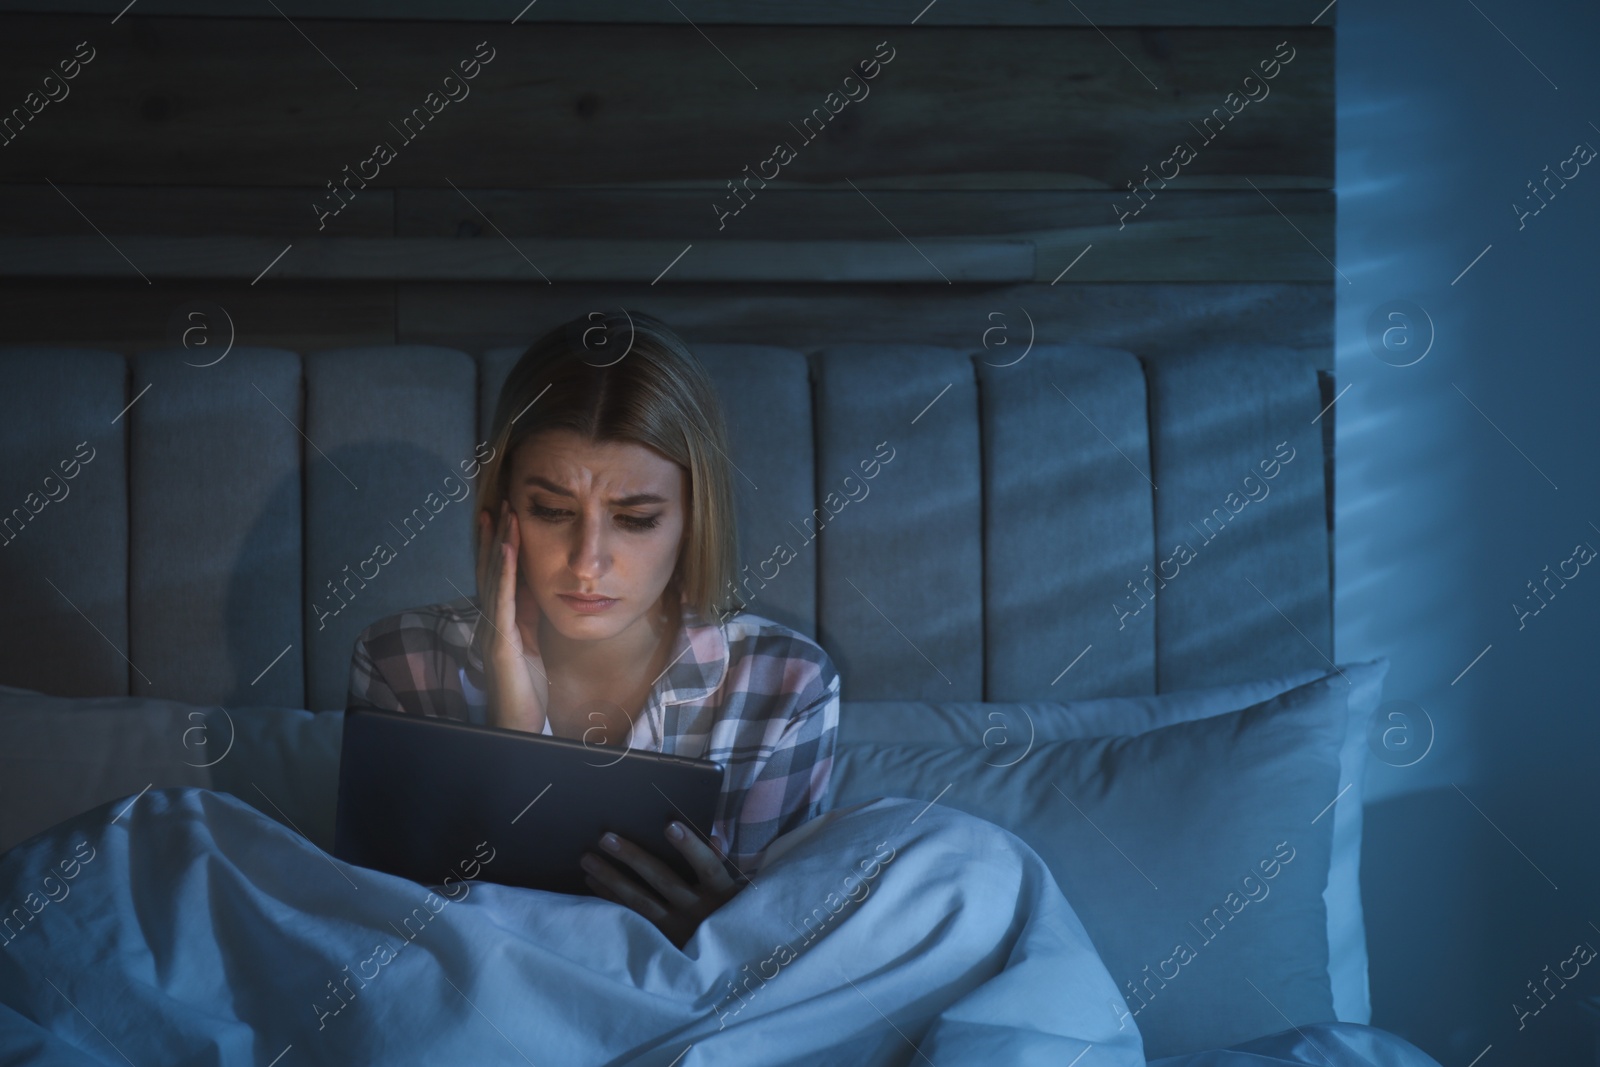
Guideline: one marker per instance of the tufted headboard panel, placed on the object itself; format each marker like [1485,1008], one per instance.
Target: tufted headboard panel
[1077,523]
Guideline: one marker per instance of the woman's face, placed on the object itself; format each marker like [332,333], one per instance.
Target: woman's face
[602,519]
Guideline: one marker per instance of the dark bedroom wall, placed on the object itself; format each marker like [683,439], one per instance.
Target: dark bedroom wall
[994,160]
[1461,477]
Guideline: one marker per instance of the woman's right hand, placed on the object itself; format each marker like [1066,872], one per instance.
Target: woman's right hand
[519,690]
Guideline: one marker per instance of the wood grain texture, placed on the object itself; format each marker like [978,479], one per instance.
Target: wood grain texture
[1209,235]
[237,102]
[670,262]
[764,12]
[583,131]
[180,210]
[803,214]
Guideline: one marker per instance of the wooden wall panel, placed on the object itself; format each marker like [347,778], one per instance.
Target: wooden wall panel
[57,208]
[231,102]
[977,131]
[806,214]
[1179,236]
[352,258]
[764,12]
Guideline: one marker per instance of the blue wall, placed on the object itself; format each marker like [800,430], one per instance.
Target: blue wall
[1480,867]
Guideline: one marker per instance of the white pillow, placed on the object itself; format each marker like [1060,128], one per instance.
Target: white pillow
[61,756]
[1007,728]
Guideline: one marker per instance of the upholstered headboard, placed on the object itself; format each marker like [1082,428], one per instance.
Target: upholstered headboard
[1021,541]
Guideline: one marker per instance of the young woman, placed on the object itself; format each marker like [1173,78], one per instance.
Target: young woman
[606,553]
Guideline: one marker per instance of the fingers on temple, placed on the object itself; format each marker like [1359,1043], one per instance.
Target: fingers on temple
[508,565]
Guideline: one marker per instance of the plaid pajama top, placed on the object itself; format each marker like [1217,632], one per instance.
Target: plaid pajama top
[752,694]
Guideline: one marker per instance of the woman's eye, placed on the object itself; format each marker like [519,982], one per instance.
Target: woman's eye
[631,522]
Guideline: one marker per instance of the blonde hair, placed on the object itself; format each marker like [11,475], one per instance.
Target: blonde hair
[626,377]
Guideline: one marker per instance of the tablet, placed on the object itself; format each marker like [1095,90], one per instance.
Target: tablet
[433,799]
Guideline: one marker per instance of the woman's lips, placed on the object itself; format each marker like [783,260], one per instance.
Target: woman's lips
[587,607]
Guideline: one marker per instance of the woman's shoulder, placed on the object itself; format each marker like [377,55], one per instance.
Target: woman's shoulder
[447,625]
[412,660]
[775,657]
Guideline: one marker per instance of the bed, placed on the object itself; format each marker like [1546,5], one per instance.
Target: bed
[1087,601]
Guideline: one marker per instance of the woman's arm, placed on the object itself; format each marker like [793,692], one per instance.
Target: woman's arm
[368,689]
[517,685]
[785,790]
[788,786]
[410,662]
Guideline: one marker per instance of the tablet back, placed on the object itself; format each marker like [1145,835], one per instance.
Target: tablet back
[430,799]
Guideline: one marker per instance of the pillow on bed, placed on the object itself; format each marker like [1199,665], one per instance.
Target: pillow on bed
[1195,853]
[996,726]
[60,756]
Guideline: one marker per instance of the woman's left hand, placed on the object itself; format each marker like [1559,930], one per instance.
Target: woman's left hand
[685,905]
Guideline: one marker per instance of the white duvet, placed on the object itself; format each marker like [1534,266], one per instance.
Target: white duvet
[185,927]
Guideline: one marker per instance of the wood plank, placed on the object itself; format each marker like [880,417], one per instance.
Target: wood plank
[804,214]
[666,214]
[1180,236]
[1153,321]
[1206,236]
[351,258]
[567,104]
[130,316]
[1221,237]
[28,210]
[762,12]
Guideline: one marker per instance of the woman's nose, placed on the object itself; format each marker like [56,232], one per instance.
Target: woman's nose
[590,554]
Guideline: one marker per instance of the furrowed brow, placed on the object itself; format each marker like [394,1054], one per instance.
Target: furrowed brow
[621,502]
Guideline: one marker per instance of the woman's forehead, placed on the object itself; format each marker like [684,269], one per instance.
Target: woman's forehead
[574,461]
